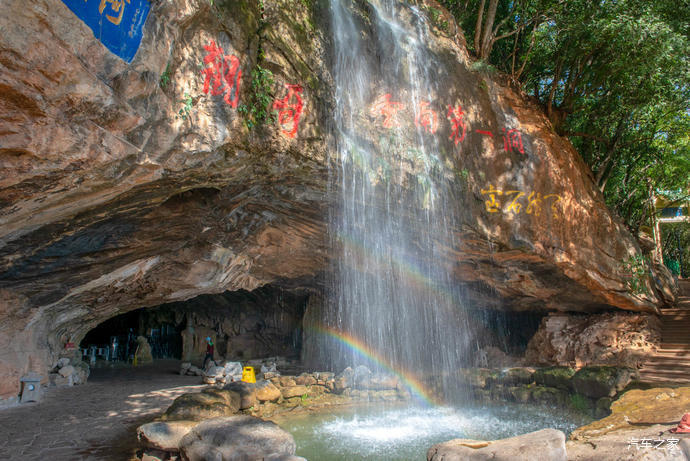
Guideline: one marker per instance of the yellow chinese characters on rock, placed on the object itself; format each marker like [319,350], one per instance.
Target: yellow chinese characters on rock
[116,7]
[512,204]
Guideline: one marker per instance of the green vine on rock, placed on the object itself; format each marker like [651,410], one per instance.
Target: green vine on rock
[257,110]
[186,110]
[635,272]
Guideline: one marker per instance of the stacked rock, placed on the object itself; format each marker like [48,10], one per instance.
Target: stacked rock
[69,372]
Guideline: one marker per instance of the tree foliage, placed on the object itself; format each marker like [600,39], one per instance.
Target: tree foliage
[612,75]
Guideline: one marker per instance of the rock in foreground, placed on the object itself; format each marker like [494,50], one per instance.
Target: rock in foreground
[164,435]
[544,445]
[237,438]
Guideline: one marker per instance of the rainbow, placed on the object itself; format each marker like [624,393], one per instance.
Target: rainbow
[413,384]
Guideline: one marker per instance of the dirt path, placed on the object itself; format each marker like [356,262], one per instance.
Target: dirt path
[95,421]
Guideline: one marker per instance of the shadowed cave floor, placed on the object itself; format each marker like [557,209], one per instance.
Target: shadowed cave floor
[94,421]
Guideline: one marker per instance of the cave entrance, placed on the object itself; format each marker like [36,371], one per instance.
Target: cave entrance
[244,325]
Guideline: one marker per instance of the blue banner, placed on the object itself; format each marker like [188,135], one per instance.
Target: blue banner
[118,24]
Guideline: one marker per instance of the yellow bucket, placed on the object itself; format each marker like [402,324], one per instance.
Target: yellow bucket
[248,375]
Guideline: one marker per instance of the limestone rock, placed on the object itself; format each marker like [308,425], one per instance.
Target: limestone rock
[597,382]
[558,377]
[236,438]
[543,445]
[102,172]
[164,435]
[246,391]
[617,339]
[639,407]
[200,406]
[520,375]
[66,371]
[294,391]
[287,381]
[305,379]
[143,352]
[267,392]
[233,371]
[618,446]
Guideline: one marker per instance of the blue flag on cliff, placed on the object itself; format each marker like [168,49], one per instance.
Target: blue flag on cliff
[118,24]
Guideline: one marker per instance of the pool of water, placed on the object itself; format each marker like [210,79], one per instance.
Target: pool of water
[394,433]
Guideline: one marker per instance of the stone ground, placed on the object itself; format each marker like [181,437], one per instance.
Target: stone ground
[94,421]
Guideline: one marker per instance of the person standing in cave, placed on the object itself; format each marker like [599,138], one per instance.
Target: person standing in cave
[209,351]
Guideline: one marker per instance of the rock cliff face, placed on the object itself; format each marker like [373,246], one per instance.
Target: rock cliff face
[132,185]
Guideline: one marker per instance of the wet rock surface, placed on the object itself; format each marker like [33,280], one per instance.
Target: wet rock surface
[235,438]
[544,445]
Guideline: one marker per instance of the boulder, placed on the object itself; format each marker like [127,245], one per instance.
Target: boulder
[518,375]
[236,438]
[294,391]
[361,377]
[614,338]
[215,372]
[56,379]
[597,382]
[558,377]
[543,445]
[66,371]
[637,408]
[305,379]
[164,435]
[267,392]
[287,381]
[246,391]
[195,371]
[199,406]
[81,372]
[143,352]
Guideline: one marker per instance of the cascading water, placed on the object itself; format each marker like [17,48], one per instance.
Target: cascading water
[391,292]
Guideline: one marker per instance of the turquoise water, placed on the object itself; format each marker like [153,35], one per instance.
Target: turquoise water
[394,433]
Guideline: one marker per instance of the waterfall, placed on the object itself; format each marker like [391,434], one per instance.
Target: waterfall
[390,290]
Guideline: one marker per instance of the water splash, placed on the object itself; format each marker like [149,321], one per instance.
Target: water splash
[392,291]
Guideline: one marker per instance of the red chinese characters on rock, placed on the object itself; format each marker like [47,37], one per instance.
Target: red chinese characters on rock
[512,140]
[384,107]
[426,117]
[223,74]
[456,117]
[290,110]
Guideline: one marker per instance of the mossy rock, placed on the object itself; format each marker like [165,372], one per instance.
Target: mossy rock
[581,403]
[602,408]
[637,409]
[597,382]
[558,377]
[520,394]
[478,377]
[197,407]
[518,375]
[548,396]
